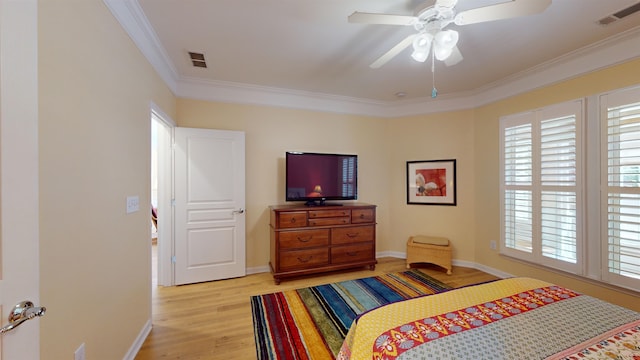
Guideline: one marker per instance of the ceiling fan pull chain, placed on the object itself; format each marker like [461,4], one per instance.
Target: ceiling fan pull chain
[434,91]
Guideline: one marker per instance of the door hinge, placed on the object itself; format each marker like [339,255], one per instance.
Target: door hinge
[173,259]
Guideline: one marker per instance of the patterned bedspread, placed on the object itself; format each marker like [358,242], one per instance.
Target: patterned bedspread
[518,318]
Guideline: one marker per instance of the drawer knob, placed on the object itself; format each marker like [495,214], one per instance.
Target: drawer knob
[352,235]
[305,260]
[305,239]
[352,253]
[293,220]
[361,216]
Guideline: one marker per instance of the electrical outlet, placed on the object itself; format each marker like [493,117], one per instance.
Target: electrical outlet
[133,204]
[493,245]
[79,354]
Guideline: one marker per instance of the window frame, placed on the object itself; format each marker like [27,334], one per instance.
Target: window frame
[615,98]
[592,210]
[535,118]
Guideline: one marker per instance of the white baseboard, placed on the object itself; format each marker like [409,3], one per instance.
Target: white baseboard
[393,254]
[133,350]
[463,263]
[490,270]
[258,270]
[403,255]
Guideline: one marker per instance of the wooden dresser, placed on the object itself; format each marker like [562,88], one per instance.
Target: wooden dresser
[307,240]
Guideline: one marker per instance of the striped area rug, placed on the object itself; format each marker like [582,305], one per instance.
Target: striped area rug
[311,323]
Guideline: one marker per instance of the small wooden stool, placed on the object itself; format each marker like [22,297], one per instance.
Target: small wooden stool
[429,249]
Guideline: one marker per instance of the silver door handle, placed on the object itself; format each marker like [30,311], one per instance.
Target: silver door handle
[239,211]
[22,312]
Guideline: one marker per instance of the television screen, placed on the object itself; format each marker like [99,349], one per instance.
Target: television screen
[314,177]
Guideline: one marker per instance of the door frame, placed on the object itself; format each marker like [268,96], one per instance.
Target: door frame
[165,196]
[20,178]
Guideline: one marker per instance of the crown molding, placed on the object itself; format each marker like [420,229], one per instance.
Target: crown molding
[614,50]
[134,22]
[231,92]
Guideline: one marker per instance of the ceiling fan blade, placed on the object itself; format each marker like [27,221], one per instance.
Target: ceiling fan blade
[454,58]
[393,52]
[385,19]
[501,11]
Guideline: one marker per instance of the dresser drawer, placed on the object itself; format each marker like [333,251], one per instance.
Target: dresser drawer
[329,213]
[303,259]
[330,221]
[352,253]
[296,239]
[359,216]
[292,219]
[352,234]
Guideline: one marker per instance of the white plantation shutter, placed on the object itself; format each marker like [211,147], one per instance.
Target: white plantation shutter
[518,178]
[541,175]
[559,185]
[622,186]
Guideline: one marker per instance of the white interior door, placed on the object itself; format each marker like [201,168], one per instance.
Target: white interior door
[209,205]
[19,244]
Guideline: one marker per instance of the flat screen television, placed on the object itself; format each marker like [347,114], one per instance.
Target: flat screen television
[315,177]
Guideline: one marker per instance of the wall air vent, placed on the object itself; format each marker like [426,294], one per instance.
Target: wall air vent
[620,14]
[197,59]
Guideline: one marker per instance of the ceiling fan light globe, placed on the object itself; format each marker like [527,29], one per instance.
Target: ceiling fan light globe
[447,39]
[422,42]
[420,55]
[442,53]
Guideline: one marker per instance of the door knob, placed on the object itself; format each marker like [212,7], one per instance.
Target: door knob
[239,211]
[22,312]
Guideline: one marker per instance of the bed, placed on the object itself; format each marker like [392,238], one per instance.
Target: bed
[516,318]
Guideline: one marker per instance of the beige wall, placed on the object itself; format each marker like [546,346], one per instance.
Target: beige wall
[486,169]
[432,137]
[95,89]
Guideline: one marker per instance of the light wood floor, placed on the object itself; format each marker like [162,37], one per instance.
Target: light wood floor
[213,320]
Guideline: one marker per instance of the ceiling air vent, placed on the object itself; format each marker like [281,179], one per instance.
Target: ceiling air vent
[620,14]
[197,59]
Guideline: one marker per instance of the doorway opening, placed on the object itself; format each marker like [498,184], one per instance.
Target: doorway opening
[154,200]
[161,194]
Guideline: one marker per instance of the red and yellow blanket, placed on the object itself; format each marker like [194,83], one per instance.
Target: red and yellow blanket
[517,318]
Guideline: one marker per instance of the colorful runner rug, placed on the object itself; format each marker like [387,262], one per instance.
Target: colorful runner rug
[311,323]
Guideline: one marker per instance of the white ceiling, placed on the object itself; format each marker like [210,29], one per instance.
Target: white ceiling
[308,47]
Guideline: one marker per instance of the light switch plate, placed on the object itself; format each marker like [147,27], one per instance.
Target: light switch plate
[133,204]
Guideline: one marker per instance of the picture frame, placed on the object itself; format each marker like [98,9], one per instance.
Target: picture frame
[431,182]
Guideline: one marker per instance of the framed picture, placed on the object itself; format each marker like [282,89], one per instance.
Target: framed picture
[431,182]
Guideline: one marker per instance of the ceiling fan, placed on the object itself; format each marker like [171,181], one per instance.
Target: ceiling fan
[431,37]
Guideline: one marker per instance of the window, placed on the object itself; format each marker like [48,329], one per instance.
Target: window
[541,185]
[620,113]
[348,176]
[551,183]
